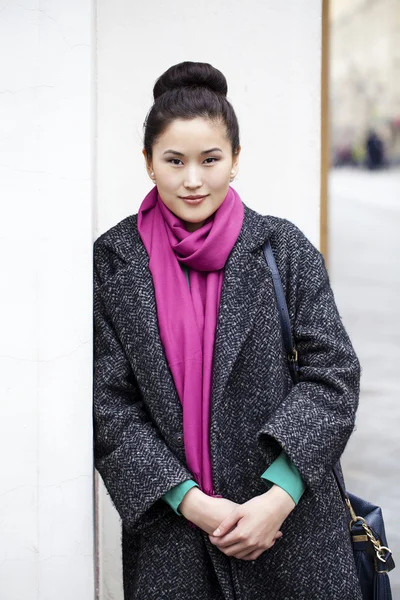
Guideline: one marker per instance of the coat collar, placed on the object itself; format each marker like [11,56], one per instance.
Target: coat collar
[126,242]
[242,295]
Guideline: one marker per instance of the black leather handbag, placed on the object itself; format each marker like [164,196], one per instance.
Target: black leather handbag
[373,558]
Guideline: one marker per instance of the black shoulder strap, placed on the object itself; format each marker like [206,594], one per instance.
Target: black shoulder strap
[291,351]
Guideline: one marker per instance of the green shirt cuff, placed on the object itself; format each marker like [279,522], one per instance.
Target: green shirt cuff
[283,472]
[175,496]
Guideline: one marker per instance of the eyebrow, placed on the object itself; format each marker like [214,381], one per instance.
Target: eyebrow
[181,154]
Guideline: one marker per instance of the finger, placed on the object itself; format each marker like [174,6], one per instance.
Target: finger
[253,555]
[236,549]
[227,523]
[232,537]
[216,539]
[247,552]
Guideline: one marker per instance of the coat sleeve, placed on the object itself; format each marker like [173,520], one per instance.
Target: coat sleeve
[134,461]
[315,420]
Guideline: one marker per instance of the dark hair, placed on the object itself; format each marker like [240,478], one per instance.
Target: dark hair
[186,91]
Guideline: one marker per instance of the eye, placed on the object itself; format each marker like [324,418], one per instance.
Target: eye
[211,158]
[177,160]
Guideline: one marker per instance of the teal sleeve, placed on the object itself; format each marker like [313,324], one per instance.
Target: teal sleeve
[283,472]
[175,496]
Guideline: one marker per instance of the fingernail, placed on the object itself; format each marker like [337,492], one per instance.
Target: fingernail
[217,532]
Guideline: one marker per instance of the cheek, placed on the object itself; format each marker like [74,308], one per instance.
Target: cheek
[167,178]
[219,177]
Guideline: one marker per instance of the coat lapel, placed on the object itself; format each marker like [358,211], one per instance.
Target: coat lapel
[243,295]
[136,314]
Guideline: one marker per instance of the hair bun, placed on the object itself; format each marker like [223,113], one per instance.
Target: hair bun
[191,74]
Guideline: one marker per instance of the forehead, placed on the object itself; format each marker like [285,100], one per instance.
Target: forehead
[194,135]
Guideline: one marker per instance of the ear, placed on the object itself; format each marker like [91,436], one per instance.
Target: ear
[149,165]
[235,160]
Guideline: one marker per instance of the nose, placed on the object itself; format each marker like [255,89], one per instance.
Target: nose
[192,179]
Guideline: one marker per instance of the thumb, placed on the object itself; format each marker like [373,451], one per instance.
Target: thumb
[227,524]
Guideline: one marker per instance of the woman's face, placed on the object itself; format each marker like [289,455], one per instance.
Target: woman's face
[193,158]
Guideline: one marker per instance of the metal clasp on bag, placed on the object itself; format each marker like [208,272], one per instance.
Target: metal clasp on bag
[382,552]
[294,356]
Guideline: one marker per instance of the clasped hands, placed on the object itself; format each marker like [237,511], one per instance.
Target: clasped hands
[244,531]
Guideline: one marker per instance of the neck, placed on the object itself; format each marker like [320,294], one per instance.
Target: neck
[193,226]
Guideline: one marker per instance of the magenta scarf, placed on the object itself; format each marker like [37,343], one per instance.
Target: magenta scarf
[188,316]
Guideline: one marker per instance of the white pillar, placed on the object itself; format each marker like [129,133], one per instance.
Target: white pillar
[270,53]
[46,186]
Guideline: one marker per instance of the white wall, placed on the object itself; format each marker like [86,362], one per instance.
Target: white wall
[46,155]
[270,53]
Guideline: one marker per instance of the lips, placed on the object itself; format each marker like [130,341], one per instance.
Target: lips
[193,199]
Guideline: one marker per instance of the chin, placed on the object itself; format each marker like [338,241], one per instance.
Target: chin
[195,220]
[194,214]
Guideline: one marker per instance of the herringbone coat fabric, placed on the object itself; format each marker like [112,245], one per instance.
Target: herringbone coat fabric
[256,412]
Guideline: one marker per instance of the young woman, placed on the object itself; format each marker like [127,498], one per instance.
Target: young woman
[220,468]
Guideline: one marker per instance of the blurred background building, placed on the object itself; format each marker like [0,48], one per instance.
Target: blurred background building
[365,78]
[363,236]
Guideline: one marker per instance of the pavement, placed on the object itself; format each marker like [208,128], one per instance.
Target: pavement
[364,268]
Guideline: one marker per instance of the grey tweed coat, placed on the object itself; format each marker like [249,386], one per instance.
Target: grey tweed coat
[256,412]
